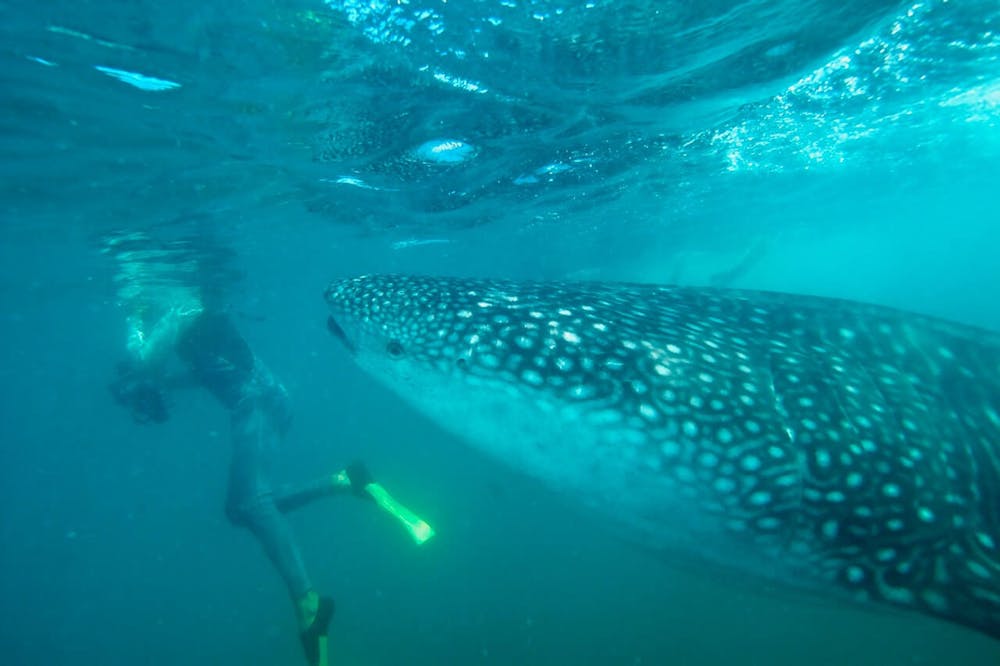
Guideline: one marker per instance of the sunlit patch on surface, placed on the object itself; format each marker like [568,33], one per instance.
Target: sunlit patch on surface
[140,81]
[350,181]
[444,151]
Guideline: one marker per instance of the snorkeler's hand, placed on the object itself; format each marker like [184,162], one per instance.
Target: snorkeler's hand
[134,390]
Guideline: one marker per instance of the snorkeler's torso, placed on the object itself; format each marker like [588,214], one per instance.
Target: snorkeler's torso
[217,355]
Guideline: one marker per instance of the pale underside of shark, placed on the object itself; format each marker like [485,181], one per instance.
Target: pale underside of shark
[822,443]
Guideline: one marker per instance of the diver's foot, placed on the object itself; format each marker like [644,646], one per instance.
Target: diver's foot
[314,633]
[340,480]
[306,608]
[359,476]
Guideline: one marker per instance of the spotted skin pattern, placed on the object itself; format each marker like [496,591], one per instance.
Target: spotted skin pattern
[827,443]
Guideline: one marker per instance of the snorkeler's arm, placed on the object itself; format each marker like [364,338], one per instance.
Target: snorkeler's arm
[143,378]
[149,346]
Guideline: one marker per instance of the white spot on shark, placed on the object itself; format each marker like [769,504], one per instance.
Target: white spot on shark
[891,490]
[670,449]
[885,554]
[978,569]
[532,377]
[724,484]
[768,523]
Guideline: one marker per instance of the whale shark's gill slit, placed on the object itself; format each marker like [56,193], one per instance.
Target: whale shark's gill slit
[776,400]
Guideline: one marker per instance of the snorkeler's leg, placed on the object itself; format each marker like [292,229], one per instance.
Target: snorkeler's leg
[353,479]
[250,502]
[289,497]
[258,423]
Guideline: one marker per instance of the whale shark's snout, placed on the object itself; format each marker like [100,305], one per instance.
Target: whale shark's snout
[819,442]
[382,315]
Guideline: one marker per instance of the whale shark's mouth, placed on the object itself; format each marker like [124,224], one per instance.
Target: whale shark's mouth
[338,332]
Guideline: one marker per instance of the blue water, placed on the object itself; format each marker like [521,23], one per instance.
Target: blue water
[844,148]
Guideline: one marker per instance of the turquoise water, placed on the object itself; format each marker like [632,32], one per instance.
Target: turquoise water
[846,149]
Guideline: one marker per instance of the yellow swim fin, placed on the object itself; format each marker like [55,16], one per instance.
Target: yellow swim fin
[315,641]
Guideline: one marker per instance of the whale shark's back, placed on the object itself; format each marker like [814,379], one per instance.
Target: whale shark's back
[847,444]
[892,434]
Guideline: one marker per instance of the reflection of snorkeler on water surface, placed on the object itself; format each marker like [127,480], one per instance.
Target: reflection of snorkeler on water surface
[190,346]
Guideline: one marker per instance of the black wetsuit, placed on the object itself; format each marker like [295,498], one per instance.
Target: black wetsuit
[222,361]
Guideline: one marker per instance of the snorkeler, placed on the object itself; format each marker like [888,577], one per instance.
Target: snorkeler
[212,354]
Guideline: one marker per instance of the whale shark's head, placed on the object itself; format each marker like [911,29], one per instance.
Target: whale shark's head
[542,338]
[511,366]
[405,331]
[417,333]
[545,377]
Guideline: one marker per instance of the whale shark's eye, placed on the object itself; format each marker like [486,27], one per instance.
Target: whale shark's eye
[394,349]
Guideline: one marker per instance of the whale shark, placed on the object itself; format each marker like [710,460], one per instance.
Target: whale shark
[836,446]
